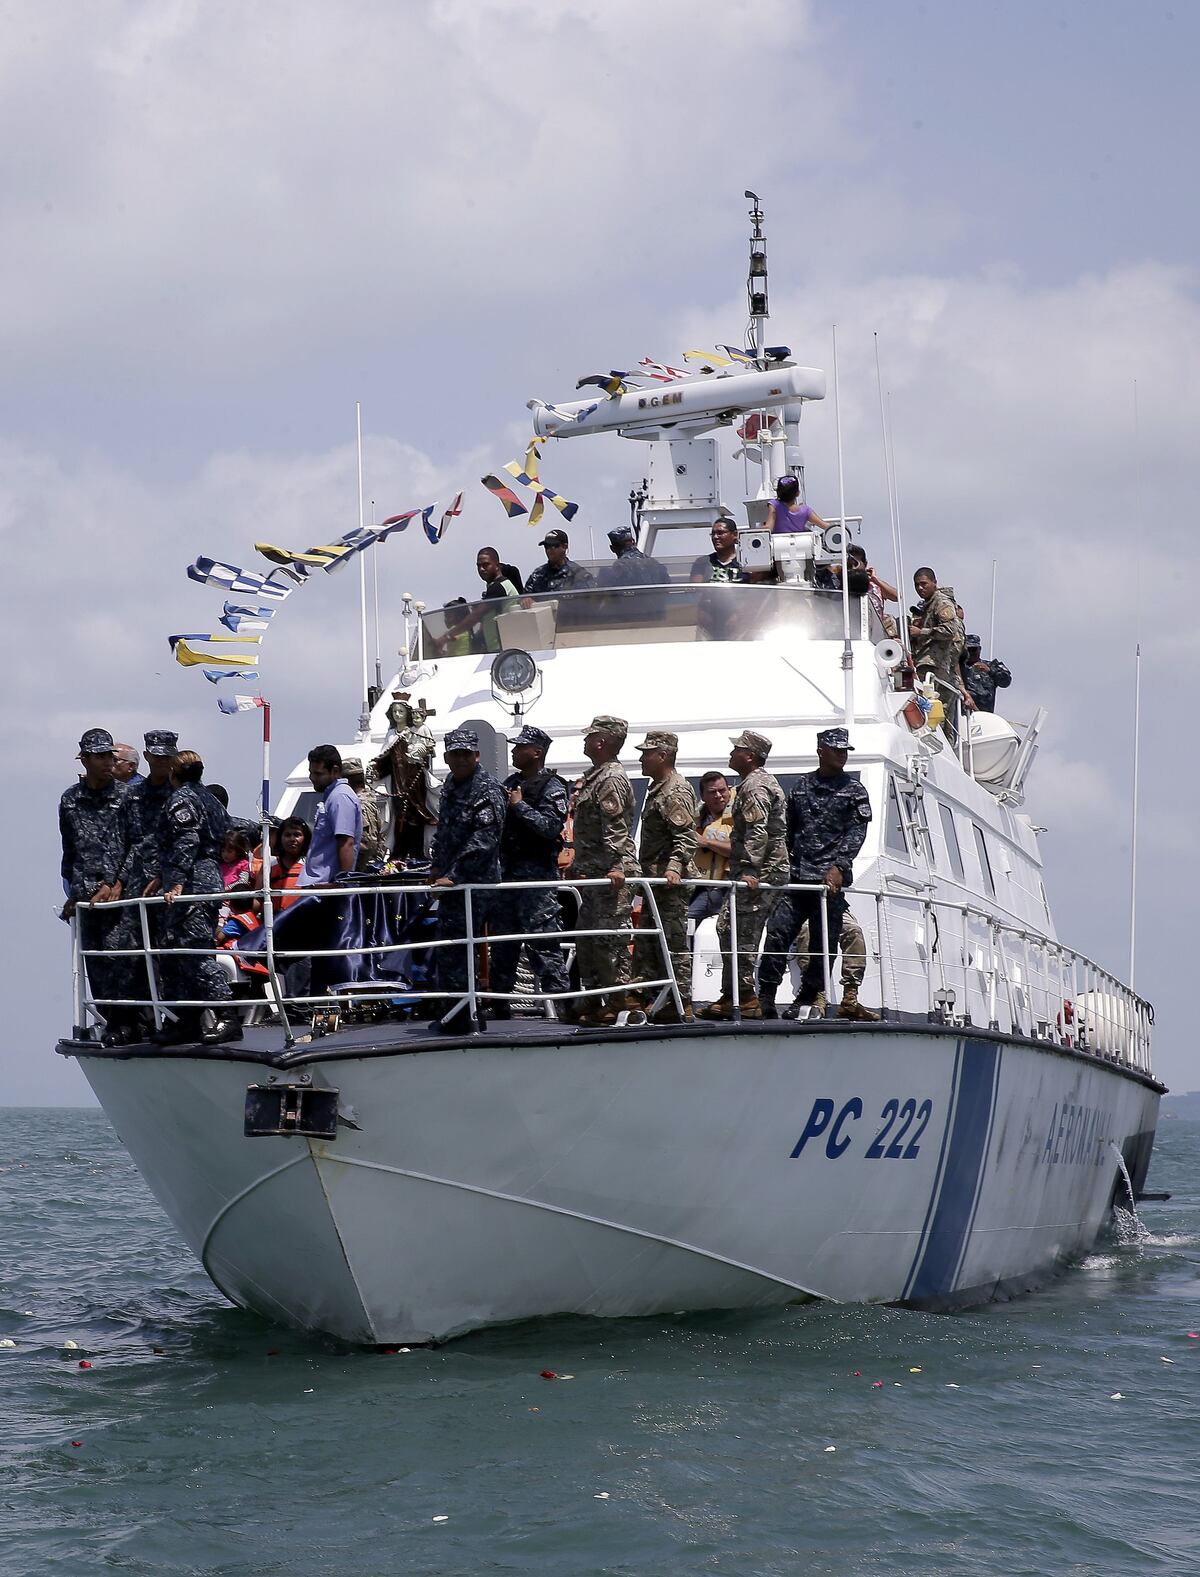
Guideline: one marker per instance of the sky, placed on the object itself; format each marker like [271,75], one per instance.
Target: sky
[221,226]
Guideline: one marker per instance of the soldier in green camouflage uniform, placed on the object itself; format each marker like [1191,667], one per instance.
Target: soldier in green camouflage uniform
[372,851]
[604,847]
[758,853]
[667,842]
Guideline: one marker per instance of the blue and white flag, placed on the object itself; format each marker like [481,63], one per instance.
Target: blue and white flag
[212,572]
[236,617]
[215,675]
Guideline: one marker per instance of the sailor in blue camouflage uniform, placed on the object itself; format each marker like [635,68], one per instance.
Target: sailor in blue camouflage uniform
[828,813]
[529,849]
[558,573]
[194,828]
[144,810]
[466,848]
[630,566]
[92,826]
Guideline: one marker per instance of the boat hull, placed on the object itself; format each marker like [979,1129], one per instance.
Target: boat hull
[636,1174]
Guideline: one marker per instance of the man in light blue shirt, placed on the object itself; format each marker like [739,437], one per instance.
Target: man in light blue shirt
[337,826]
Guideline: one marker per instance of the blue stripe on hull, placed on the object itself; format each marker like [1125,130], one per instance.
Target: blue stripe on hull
[946,1241]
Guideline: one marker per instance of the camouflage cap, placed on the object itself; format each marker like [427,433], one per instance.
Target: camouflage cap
[352,766]
[532,736]
[461,739]
[757,744]
[96,742]
[160,742]
[834,739]
[620,534]
[610,727]
[659,739]
[973,640]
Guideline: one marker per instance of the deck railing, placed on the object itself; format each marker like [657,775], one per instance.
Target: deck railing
[942,960]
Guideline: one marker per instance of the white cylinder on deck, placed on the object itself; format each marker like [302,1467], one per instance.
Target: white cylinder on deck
[667,403]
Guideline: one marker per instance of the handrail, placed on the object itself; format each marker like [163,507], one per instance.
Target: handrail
[1012,977]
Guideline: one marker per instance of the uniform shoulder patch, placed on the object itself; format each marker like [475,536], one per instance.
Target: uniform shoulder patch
[611,802]
[679,814]
[864,809]
[486,815]
[183,815]
[752,809]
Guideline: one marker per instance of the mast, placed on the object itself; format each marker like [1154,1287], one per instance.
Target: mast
[756,280]
[364,718]
[847,644]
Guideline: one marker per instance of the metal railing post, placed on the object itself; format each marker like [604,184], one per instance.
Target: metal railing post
[879,952]
[77,991]
[269,926]
[151,963]
[468,895]
[993,980]
[826,961]
[927,910]
[669,971]
[735,997]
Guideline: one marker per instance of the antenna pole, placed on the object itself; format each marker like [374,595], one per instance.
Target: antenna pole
[893,503]
[364,719]
[1137,686]
[375,587]
[992,624]
[900,581]
[847,644]
[1137,722]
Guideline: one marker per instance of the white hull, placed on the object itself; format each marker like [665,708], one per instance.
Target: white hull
[637,1174]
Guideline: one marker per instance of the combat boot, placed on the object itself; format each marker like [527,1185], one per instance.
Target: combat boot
[852,1008]
[717,1010]
[752,1008]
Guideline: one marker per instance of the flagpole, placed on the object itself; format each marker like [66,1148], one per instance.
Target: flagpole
[364,720]
[375,588]
[267,902]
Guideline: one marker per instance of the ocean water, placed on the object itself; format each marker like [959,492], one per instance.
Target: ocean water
[1057,1434]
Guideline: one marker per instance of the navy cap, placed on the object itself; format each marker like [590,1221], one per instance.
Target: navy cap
[96,742]
[160,742]
[834,739]
[461,739]
[973,640]
[620,534]
[532,736]
[554,539]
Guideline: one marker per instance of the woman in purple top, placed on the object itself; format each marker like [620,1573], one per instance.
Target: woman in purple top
[783,512]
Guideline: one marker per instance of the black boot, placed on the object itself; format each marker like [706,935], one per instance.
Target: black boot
[219,1026]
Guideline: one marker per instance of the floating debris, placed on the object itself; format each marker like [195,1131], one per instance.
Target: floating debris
[876,1385]
[828,1449]
[84,1364]
[1117,1396]
[914,1371]
[549,1374]
[70,1346]
[441,1519]
[7,1341]
[77,1442]
[950,1386]
[601,1495]
[1161,1359]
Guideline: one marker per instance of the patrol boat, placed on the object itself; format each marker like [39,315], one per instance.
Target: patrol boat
[346,1169]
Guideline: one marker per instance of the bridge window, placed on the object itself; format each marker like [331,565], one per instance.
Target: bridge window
[895,836]
[950,832]
[985,865]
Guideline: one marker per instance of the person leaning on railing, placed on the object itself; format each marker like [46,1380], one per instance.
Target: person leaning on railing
[529,849]
[194,830]
[713,831]
[92,826]
[604,847]
[828,813]
[667,841]
[758,854]
[466,850]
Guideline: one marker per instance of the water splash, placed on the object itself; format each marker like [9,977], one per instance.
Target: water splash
[1128,1223]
